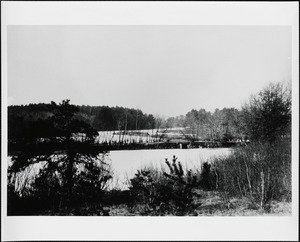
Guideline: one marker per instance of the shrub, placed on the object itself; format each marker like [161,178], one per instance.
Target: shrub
[181,192]
[260,171]
[117,196]
[91,181]
[146,188]
[45,189]
[207,177]
[164,193]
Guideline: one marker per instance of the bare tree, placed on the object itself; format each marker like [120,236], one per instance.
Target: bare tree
[267,116]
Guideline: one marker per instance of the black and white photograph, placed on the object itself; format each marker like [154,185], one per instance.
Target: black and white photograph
[183,120]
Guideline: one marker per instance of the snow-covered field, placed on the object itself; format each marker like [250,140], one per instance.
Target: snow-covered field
[147,135]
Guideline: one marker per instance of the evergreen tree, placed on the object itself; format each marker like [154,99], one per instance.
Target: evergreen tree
[68,152]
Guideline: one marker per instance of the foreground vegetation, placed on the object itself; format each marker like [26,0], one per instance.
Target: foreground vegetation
[55,172]
[253,180]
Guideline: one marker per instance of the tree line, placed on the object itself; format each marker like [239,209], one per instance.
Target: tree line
[266,115]
[104,118]
[28,121]
[204,125]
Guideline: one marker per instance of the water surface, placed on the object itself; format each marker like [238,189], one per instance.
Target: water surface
[125,163]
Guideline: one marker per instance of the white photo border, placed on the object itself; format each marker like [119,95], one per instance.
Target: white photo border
[151,13]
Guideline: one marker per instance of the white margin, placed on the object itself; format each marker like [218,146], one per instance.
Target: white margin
[151,13]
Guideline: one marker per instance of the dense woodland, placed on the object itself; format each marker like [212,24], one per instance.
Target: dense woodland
[25,119]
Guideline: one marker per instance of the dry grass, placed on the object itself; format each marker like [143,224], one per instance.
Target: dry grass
[211,204]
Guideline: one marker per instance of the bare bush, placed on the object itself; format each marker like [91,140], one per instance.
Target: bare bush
[261,172]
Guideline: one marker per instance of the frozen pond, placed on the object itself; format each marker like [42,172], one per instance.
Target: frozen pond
[125,163]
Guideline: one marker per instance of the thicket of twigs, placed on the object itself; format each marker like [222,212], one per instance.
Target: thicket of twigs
[261,172]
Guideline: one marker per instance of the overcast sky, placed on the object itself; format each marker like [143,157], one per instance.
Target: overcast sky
[165,70]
